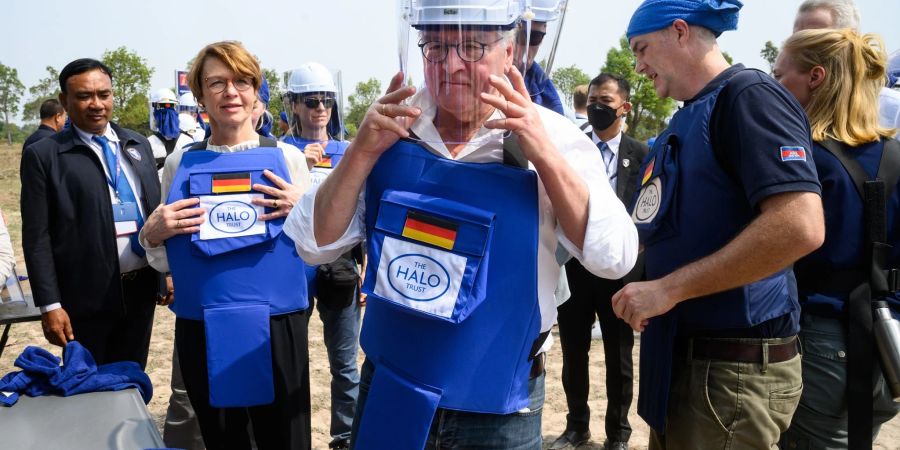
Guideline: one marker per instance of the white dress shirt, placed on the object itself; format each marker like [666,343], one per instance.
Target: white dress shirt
[296,165]
[610,242]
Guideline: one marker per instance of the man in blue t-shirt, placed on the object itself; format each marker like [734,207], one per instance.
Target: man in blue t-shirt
[729,199]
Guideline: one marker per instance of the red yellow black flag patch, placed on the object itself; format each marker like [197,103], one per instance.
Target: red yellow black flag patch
[430,229]
[231,182]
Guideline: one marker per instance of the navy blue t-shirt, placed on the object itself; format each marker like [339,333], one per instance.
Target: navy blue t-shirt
[757,130]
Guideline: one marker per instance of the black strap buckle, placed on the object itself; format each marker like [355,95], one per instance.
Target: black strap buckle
[893,280]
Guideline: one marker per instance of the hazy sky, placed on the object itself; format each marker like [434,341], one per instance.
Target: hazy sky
[359,37]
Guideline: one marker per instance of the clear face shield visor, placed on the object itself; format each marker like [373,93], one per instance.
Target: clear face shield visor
[537,39]
[450,53]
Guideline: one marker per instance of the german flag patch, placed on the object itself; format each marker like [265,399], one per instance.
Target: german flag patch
[325,162]
[648,171]
[231,182]
[429,229]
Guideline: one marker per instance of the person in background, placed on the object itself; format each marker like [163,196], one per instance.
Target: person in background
[86,193]
[311,98]
[53,118]
[836,75]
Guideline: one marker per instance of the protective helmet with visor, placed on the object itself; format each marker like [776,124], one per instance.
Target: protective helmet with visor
[458,44]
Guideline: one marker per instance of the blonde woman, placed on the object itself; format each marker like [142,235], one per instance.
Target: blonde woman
[241,306]
[836,75]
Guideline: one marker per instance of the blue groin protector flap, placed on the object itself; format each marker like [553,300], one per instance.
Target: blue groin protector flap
[430,255]
[398,412]
[239,354]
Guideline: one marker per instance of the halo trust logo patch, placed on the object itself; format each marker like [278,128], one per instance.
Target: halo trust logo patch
[418,277]
[232,217]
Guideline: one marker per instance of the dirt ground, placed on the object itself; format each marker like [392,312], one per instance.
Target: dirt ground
[159,363]
[554,417]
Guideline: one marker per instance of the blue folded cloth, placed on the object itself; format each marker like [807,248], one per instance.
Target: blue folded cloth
[41,374]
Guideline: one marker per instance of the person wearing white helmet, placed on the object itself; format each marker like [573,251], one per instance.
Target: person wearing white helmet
[164,122]
[530,35]
[464,192]
[311,99]
[187,109]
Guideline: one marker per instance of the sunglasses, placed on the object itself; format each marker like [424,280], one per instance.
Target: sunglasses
[536,37]
[313,102]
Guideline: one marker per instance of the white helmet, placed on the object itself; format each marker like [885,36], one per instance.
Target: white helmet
[187,99]
[542,10]
[420,13]
[311,77]
[163,96]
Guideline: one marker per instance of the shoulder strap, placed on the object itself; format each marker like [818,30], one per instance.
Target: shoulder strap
[851,165]
[512,153]
[265,141]
[889,169]
[198,145]
[168,143]
[586,127]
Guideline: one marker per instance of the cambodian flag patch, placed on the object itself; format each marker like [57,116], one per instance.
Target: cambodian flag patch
[793,153]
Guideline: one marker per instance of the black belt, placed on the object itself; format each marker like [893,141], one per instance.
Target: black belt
[129,276]
[537,366]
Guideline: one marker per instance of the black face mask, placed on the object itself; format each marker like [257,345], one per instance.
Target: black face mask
[601,116]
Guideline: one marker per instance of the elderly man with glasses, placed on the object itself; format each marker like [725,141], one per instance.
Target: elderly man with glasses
[462,266]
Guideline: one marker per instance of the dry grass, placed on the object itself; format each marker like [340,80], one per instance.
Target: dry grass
[159,363]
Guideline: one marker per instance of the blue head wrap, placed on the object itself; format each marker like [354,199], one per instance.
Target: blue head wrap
[167,122]
[284,117]
[715,15]
[264,92]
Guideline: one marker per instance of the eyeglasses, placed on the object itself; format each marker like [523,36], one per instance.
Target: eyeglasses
[313,102]
[218,85]
[468,51]
[536,37]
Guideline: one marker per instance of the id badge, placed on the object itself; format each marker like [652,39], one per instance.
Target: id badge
[125,216]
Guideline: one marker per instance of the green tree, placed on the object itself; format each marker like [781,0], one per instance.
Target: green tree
[359,101]
[728,58]
[770,54]
[11,90]
[131,82]
[276,105]
[567,79]
[45,88]
[649,113]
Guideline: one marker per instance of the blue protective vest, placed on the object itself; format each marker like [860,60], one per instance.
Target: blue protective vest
[334,151]
[452,283]
[689,207]
[235,284]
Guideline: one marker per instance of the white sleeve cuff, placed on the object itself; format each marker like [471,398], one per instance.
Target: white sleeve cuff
[50,307]
[299,226]
[610,240]
[156,256]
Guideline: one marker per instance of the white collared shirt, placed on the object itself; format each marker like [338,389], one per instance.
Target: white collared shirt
[610,243]
[612,167]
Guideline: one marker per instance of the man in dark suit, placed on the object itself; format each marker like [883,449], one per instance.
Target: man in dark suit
[608,105]
[53,117]
[85,194]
